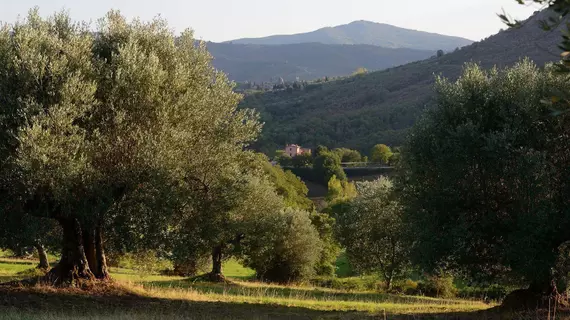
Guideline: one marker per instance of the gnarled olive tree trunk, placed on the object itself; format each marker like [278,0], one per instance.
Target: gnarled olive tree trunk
[102,271]
[216,273]
[94,251]
[89,246]
[73,267]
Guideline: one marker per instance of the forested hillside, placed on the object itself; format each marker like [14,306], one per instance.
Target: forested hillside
[306,61]
[360,111]
[366,32]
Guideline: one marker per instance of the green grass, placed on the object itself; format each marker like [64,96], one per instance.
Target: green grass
[260,299]
[9,270]
[231,268]
[5,253]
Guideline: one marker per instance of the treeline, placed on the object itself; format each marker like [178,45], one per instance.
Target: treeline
[380,154]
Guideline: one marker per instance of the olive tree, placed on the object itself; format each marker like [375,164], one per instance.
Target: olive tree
[487,176]
[222,218]
[97,116]
[371,228]
[286,248]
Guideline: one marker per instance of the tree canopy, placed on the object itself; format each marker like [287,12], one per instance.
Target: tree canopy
[381,153]
[371,228]
[93,118]
[326,165]
[489,164]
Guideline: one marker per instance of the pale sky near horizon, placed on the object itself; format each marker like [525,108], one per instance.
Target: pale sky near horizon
[221,20]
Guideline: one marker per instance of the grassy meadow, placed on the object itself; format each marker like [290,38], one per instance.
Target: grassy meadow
[153,296]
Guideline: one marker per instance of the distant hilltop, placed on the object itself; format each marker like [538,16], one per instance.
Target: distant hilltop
[366,32]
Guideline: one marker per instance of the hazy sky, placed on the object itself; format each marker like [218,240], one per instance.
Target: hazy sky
[220,20]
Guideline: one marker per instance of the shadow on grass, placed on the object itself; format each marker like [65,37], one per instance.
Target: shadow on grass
[69,303]
[236,289]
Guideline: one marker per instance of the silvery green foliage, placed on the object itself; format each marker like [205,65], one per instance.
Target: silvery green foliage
[127,124]
[286,247]
[371,228]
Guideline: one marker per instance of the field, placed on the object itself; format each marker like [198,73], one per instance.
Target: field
[135,296]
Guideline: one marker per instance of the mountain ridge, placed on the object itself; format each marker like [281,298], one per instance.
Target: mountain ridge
[366,32]
[379,107]
[305,61]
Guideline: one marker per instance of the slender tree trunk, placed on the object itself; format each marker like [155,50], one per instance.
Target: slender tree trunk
[44,263]
[216,274]
[89,247]
[217,260]
[388,280]
[102,271]
[73,267]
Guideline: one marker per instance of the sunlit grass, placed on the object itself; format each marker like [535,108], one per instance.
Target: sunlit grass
[231,268]
[169,288]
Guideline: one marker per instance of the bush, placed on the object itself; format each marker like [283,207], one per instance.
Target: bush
[324,224]
[286,248]
[189,267]
[145,262]
[408,287]
[437,287]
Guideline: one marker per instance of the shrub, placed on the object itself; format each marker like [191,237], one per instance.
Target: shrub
[324,225]
[348,284]
[144,262]
[189,267]
[408,287]
[286,248]
[438,287]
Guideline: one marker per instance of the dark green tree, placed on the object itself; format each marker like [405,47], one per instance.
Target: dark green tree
[319,150]
[223,216]
[303,160]
[487,176]
[326,165]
